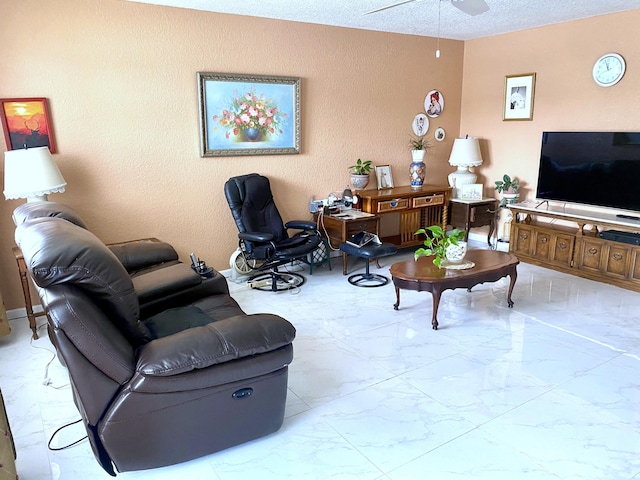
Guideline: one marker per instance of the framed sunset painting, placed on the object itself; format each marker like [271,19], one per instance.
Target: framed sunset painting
[26,123]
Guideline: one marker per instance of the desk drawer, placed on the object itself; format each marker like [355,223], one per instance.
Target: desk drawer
[364,225]
[391,205]
[428,200]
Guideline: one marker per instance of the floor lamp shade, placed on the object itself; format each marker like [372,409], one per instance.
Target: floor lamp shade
[31,173]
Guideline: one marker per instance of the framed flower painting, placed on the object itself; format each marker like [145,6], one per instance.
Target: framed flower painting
[248,114]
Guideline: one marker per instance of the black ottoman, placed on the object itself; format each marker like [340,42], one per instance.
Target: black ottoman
[369,252]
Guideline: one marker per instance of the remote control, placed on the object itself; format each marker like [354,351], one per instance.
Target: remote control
[628,217]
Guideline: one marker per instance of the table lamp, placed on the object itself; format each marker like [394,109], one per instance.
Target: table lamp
[31,173]
[464,154]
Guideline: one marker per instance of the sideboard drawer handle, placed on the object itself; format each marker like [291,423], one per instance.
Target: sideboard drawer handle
[524,236]
[544,239]
[593,251]
[617,256]
[563,245]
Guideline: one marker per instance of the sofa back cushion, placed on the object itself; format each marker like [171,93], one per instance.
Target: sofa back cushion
[58,252]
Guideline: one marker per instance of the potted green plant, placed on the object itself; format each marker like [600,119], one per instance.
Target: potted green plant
[509,188]
[437,242]
[360,174]
[419,147]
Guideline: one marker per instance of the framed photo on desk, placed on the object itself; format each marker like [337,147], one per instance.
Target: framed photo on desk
[384,177]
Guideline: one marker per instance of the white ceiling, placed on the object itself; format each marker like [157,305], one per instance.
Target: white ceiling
[416,18]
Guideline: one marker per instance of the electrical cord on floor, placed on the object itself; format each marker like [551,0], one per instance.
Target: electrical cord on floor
[46,381]
[56,449]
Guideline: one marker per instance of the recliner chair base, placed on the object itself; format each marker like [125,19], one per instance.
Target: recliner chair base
[273,281]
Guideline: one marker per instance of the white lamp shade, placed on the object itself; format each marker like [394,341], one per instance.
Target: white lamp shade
[31,173]
[465,152]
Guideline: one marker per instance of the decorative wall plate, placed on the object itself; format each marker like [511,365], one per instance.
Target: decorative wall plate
[420,124]
[440,134]
[434,103]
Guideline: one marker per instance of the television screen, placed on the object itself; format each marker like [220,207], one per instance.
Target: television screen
[593,168]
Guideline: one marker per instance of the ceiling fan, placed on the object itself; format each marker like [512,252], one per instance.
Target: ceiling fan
[470,7]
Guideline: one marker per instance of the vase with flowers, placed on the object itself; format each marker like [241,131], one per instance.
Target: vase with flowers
[251,117]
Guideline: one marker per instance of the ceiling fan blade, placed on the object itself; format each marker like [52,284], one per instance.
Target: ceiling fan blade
[390,6]
[471,7]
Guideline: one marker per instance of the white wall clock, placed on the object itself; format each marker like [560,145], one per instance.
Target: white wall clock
[608,69]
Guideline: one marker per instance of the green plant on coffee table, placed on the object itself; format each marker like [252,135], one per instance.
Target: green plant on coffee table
[436,242]
[361,168]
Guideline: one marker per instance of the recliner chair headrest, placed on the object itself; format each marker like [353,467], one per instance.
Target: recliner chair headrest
[30,210]
[58,252]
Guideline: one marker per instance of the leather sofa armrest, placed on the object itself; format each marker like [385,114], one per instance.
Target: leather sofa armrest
[160,282]
[301,224]
[140,254]
[215,343]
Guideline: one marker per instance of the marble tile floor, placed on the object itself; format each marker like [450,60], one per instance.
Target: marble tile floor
[546,390]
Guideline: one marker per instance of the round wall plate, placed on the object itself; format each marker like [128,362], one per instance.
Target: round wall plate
[434,103]
[420,124]
[440,134]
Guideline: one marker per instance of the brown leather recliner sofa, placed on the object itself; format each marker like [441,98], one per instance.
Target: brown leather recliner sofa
[158,276]
[154,390]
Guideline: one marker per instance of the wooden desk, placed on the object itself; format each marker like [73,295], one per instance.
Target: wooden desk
[423,276]
[338,228]
[467,214]
[418,208]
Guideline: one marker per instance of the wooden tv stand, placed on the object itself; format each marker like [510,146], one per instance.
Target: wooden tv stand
[574,246]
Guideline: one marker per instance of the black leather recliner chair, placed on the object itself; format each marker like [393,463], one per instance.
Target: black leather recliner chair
[159,390]
[265,244]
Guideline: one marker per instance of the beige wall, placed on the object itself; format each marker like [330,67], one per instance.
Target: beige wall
[121,82]
[566,97]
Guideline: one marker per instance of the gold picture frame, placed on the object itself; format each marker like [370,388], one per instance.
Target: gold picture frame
[519,91]
[384,177]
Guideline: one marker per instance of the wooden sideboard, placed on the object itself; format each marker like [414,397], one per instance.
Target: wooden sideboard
[417,208]
[568,241]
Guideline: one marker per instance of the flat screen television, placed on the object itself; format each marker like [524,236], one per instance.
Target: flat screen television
[592,168]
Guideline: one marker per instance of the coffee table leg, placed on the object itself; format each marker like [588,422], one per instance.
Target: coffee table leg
[435,293]
[397,304]
[513,275]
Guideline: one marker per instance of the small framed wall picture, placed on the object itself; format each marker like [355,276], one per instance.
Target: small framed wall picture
[518,96]
[383,176]
[26,123]
[471,191]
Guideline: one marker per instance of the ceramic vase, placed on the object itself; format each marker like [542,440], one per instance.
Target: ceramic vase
[456,253]
[359,182]
[417,169]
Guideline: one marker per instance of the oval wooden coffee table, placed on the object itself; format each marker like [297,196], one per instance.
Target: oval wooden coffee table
[423,276]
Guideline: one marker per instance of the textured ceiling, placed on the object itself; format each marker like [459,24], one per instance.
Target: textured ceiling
[417,18]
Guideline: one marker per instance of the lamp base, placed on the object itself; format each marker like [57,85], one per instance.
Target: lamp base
[462,176]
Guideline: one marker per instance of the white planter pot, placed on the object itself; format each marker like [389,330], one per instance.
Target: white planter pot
[417,155]
[456,253]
